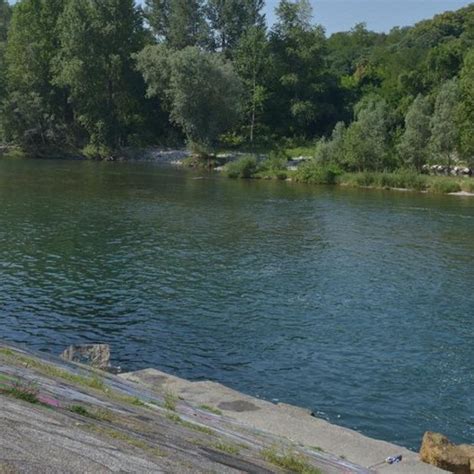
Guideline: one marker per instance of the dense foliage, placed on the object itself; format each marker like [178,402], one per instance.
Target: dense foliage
[100,75]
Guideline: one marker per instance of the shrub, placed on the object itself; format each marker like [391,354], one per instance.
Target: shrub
[314,173]
[245,168]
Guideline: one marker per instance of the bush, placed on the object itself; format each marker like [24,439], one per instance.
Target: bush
[275,166]
[245,167]
[314,173]
[444,185]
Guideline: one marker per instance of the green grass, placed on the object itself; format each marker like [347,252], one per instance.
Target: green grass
[227,448]
[170,402]
[91,381]
[210,409]
[6,352]
[27,392]
[304,150]
[100,414]
[408,179]
[125,438]
[290,461]
[444,185]
[187,424]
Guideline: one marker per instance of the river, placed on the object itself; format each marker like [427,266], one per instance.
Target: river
[356,304]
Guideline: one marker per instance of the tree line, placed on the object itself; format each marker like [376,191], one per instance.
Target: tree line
[96,76]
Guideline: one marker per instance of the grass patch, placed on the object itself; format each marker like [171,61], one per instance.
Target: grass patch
[305,150]
[187,424]
[101,414]
[170,402]
[467,185]
[92,381]
[26,392]
[128,400]
[290,461]
[6,352]
[444,185]
[227,448]
[210,409]
[125,438]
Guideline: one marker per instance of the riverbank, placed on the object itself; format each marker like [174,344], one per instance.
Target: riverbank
[310,172]
[59,416]
[298,169]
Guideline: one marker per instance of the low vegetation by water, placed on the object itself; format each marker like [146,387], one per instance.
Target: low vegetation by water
[314,172]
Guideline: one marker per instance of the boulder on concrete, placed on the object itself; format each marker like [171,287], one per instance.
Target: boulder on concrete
[95,355]
[437,450]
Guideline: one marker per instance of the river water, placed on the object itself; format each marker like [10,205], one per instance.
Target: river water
[356,304]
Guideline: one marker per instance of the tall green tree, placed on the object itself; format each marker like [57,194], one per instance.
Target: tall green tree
[252,62]
[179,23]
[201,90]
[444,127]
[5,16]
[301,97]
[98,38]
[230,19]
[36,111]
[366,141]
[413,147]
[466,111]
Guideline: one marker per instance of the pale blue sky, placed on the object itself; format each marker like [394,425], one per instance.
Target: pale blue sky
[380,15]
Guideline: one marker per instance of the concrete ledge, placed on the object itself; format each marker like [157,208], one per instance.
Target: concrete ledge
[293,423]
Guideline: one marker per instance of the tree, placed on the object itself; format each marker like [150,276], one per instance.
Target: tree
[366,140]
[202,91]
[301,85]
[293,15]
[413,147]
[332,151]
[444,128]
[230,19]
[5,15]
[98,38]
[36,111]
[178,23]
[252,63]
[466,111]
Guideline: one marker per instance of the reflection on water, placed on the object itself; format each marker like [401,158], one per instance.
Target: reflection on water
[355,304]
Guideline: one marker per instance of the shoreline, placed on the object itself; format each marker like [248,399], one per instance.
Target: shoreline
[176,158]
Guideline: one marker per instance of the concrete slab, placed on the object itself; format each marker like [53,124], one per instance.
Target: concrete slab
[293,423]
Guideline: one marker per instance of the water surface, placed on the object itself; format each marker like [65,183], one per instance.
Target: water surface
[355,304]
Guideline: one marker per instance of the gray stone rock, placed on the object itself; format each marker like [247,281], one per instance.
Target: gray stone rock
[95,355]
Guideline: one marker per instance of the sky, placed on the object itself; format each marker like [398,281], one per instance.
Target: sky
[380,15]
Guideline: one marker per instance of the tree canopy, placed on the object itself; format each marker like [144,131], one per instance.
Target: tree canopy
[100,75]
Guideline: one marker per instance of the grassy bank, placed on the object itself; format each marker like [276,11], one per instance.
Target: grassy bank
[313,173]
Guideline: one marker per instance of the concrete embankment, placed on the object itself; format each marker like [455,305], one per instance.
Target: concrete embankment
[61,417]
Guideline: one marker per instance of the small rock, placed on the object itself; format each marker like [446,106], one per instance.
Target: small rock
[95,355]
[437,450]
